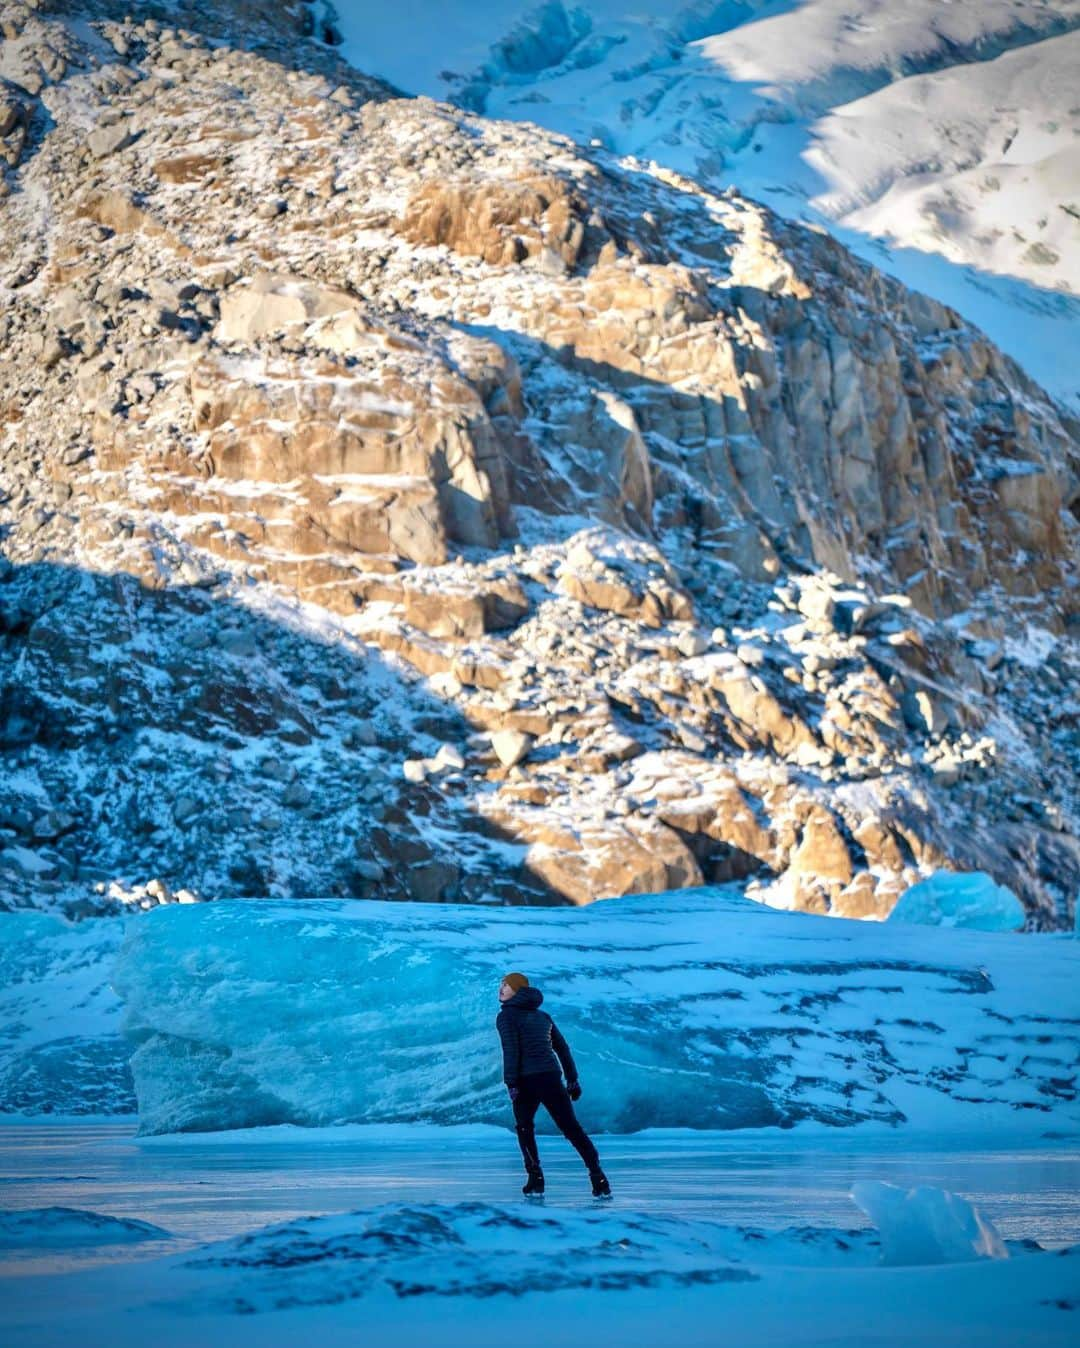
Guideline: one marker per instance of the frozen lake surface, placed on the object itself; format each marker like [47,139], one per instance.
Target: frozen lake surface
[211,1186]
[398,1235]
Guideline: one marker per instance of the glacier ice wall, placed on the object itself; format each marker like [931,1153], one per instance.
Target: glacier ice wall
[698,1009]
[60,1047]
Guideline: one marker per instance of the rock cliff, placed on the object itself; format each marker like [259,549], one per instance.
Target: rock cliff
[400,502]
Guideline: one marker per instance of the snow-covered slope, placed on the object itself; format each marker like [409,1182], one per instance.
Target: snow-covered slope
[697,1010]
[939,141]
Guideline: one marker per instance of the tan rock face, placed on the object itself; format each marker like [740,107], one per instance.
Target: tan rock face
[501,222]
[771,563]
[376,449]
[270,304]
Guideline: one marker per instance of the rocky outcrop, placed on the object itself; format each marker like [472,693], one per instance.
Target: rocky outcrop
[719,554]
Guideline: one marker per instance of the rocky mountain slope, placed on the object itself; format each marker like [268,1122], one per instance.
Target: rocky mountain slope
[403,503]
[939,141]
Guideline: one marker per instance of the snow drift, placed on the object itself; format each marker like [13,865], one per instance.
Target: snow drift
[698,1009]
[69,1228]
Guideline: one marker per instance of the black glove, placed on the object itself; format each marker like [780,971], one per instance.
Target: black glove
[573,1090]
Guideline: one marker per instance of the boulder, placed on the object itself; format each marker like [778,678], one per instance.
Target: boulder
[270,303]
[511,746]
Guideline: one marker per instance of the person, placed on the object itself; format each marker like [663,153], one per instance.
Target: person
[533,1052]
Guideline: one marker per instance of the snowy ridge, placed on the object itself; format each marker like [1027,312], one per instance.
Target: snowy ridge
[655,541]
[700,1010]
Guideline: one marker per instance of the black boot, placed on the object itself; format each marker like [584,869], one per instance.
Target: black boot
[534,1185]
[600,1186]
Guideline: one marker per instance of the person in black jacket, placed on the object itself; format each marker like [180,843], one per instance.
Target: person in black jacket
[533,1050]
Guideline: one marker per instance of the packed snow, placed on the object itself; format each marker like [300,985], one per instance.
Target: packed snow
[960,899]
[937,141]
[412,1234]
[698,1009]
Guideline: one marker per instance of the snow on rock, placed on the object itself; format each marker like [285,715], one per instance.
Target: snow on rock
[960,899]
[62,1228]
[698,1010]
[927,1225]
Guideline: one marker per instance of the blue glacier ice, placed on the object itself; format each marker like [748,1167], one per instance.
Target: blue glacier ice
[697,1009]
[960,899]
[60,1046]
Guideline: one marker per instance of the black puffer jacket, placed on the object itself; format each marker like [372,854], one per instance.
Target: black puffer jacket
[531,1041]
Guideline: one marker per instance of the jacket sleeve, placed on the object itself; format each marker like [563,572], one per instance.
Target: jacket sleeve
[562,1052]
[511,1046]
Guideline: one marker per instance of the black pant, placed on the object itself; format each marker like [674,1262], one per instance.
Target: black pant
[547,1089]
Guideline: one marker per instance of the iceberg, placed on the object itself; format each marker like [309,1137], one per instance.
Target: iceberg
[927,1225]
[699,1009]
[960,899]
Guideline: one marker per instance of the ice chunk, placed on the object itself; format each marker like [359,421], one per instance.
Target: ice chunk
[960,899]
[69,1228]
[697,1009]
[927,1226]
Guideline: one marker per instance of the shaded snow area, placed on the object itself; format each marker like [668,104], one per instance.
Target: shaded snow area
[937,141]
[61,1228]
[700,1009]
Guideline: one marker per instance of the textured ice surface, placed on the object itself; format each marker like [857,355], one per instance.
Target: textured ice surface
[67,1227]
[960,899]
[926,1225]
[698,1010]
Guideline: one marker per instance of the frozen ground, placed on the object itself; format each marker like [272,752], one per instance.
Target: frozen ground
[938,141]
[416,1235]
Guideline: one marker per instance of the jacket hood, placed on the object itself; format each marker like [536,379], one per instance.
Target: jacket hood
[525,999]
